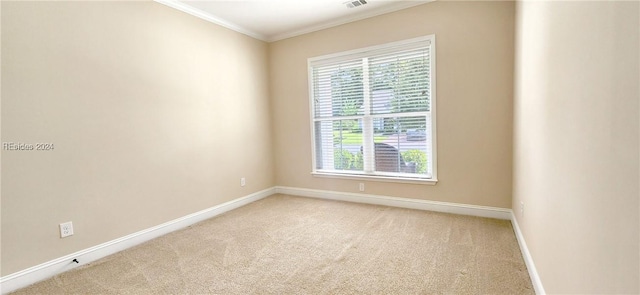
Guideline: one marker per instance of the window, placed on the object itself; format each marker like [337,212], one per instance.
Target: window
[373,112]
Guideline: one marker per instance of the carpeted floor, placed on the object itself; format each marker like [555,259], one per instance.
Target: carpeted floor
[292,245]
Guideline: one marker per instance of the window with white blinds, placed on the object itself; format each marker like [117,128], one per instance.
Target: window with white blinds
[373,111]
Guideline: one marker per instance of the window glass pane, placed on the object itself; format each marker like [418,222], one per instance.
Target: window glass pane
[401,145]
[339,145]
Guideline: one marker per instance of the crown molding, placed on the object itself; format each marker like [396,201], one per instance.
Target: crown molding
[292,33]
[346,20]
[211,18]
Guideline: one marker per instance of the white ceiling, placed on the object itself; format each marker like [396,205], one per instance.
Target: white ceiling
[272,20]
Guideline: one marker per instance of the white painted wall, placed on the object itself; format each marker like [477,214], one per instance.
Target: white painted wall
[576,143]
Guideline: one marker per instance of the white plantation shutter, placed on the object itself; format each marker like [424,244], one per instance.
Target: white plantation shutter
[372,111]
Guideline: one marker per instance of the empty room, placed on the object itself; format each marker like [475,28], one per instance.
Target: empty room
[320,147]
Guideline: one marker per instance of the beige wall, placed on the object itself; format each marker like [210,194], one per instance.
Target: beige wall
[155,114]
[576,143]
[474,44]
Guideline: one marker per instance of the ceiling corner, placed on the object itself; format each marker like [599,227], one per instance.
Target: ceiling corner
[211,18]
[342,21]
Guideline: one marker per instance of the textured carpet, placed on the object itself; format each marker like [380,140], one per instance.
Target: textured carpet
[292,245]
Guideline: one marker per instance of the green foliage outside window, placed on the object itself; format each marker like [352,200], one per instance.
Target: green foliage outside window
[345,160]
[417,156]
[342,160]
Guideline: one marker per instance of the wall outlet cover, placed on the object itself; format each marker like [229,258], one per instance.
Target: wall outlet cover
[66,229]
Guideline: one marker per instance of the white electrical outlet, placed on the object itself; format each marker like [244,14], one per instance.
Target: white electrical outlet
[361,187]
[66,229]
[243,182]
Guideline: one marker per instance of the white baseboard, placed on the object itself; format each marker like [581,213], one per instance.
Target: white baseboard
[51,268]
[462,209]
[528,260]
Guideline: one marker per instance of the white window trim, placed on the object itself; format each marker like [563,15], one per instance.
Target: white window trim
[362,53]
[373,177]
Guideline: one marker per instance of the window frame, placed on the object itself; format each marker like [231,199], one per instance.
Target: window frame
[367,52]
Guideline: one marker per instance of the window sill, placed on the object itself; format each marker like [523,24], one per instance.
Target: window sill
[380,178]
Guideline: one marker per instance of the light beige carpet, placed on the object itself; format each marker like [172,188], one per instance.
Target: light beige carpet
[292,245]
